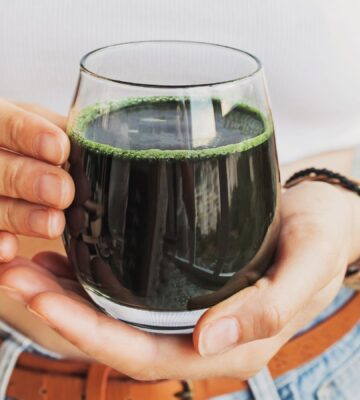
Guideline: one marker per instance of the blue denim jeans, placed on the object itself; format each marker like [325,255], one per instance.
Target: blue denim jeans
[335,375]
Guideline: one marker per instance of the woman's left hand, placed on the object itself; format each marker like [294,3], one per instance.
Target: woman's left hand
[236,338]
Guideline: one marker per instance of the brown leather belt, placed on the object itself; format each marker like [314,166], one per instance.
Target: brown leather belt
[40,378]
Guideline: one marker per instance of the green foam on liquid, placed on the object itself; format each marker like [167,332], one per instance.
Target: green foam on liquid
[79,124]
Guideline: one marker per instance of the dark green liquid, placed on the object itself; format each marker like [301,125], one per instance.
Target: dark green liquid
[166,218]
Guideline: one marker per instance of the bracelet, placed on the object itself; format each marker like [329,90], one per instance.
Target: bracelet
[324,175]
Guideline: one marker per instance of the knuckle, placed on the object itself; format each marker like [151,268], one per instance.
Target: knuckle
[6,221]
[293,227]
[9,216]
[305,227]
[272,320]
[272,317]
[11,176]
[14,126]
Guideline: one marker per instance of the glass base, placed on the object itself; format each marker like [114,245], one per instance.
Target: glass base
[165,322]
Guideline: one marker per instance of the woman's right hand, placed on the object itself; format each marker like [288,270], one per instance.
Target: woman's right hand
[33,189]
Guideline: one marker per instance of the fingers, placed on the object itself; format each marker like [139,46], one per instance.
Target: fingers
[30,134]
[34,181]
[138,354]
[23,279]
[27,279]
[8,246]
[301,269]
[52,116]
[131,347]
[18,216]
[30,178]
[126,348]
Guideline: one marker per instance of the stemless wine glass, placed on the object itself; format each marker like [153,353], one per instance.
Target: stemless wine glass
[177,183]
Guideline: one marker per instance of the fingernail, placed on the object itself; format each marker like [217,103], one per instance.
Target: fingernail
[38,315]
[49,147]
[52,189]
[45,223]
[12,293]
[219,336]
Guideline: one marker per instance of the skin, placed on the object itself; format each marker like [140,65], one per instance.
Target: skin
[236,338]
[33,189]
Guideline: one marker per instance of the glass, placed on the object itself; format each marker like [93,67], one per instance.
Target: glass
[177,183]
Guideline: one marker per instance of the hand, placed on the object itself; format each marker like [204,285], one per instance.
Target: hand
[33,189]
[314,249]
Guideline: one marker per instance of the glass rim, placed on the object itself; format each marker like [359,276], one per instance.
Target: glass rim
[86,70]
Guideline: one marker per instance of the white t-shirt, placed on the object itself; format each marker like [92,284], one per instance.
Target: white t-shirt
[310,50]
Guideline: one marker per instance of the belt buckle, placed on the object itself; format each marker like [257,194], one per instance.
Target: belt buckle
[187,393]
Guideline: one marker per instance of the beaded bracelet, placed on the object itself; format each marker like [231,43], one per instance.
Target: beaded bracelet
[324,175]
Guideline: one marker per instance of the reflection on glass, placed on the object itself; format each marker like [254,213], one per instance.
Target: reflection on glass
[177,191]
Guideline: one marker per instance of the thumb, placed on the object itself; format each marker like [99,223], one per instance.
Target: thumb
[305,263]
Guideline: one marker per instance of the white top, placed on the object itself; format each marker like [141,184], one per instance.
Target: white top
[310,50]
